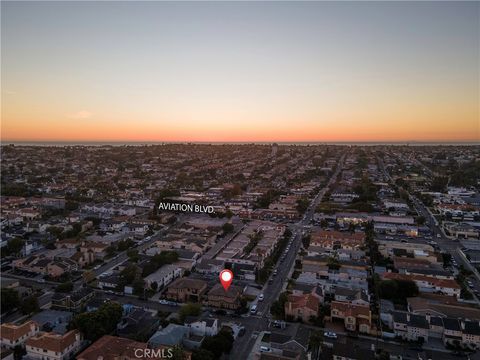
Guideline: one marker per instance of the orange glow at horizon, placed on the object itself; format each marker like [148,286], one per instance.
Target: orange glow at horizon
[252,131]
[387,122]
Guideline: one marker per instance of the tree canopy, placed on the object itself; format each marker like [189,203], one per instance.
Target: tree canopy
[97,323]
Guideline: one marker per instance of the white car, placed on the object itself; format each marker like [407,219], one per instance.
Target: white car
[260,297]
[330,334]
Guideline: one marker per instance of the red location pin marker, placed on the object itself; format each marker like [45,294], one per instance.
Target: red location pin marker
[226,277]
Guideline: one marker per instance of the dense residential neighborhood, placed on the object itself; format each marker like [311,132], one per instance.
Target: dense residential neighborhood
[376,247]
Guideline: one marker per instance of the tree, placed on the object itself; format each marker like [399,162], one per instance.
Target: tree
[157,261]
[101,322]
[387,289]
[406,288]
[333,263]
[397,290]
[447,258]
[128,274]
[219,344]
[29,305]
[229,214]
[19,352]
[189,309]
[267,198]
[351,227]
[287,233]
[439,184]
[10,299]
[316,339]
[138,286]
[227,228]
[65,287]
[203,354]
[14,247]
[133,255]
[278,307]
[420,220]
[71,205]
[302,205]
[95,220]
[178,353]
[123,245]
[262,275]
[306,241]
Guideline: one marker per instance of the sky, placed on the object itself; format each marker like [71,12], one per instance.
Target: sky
[240,71]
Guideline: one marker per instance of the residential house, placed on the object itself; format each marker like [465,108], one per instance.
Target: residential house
[452,333]
[54,346]
[98,249]
[293,345]
[113,348]
[202,327]
[163,276]
[53,320]
[417,328]
[354,296]
[171,335]
[220,298]
[471,334]
[428,283]
[186,290]
[12,335]
[73,301]
[210,266]
[304,307]
[137,324]
[400,322]
[436,326]
[355,317]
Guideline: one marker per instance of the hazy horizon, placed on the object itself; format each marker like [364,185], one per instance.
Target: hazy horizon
[140,143]
[213,72]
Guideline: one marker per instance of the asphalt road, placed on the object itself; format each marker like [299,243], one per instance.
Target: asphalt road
[259,322]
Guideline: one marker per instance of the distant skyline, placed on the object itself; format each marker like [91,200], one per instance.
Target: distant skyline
[240,71]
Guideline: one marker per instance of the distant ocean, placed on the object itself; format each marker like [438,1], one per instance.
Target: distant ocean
[143,143]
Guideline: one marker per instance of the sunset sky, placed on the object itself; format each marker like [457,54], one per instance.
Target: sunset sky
[251,71]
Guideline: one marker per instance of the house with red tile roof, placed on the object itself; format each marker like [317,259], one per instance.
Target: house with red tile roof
[302,306]
[114,348]
[337,239]
[355,317]
[218,297]
[428,283]
[12,335]
[53,346]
